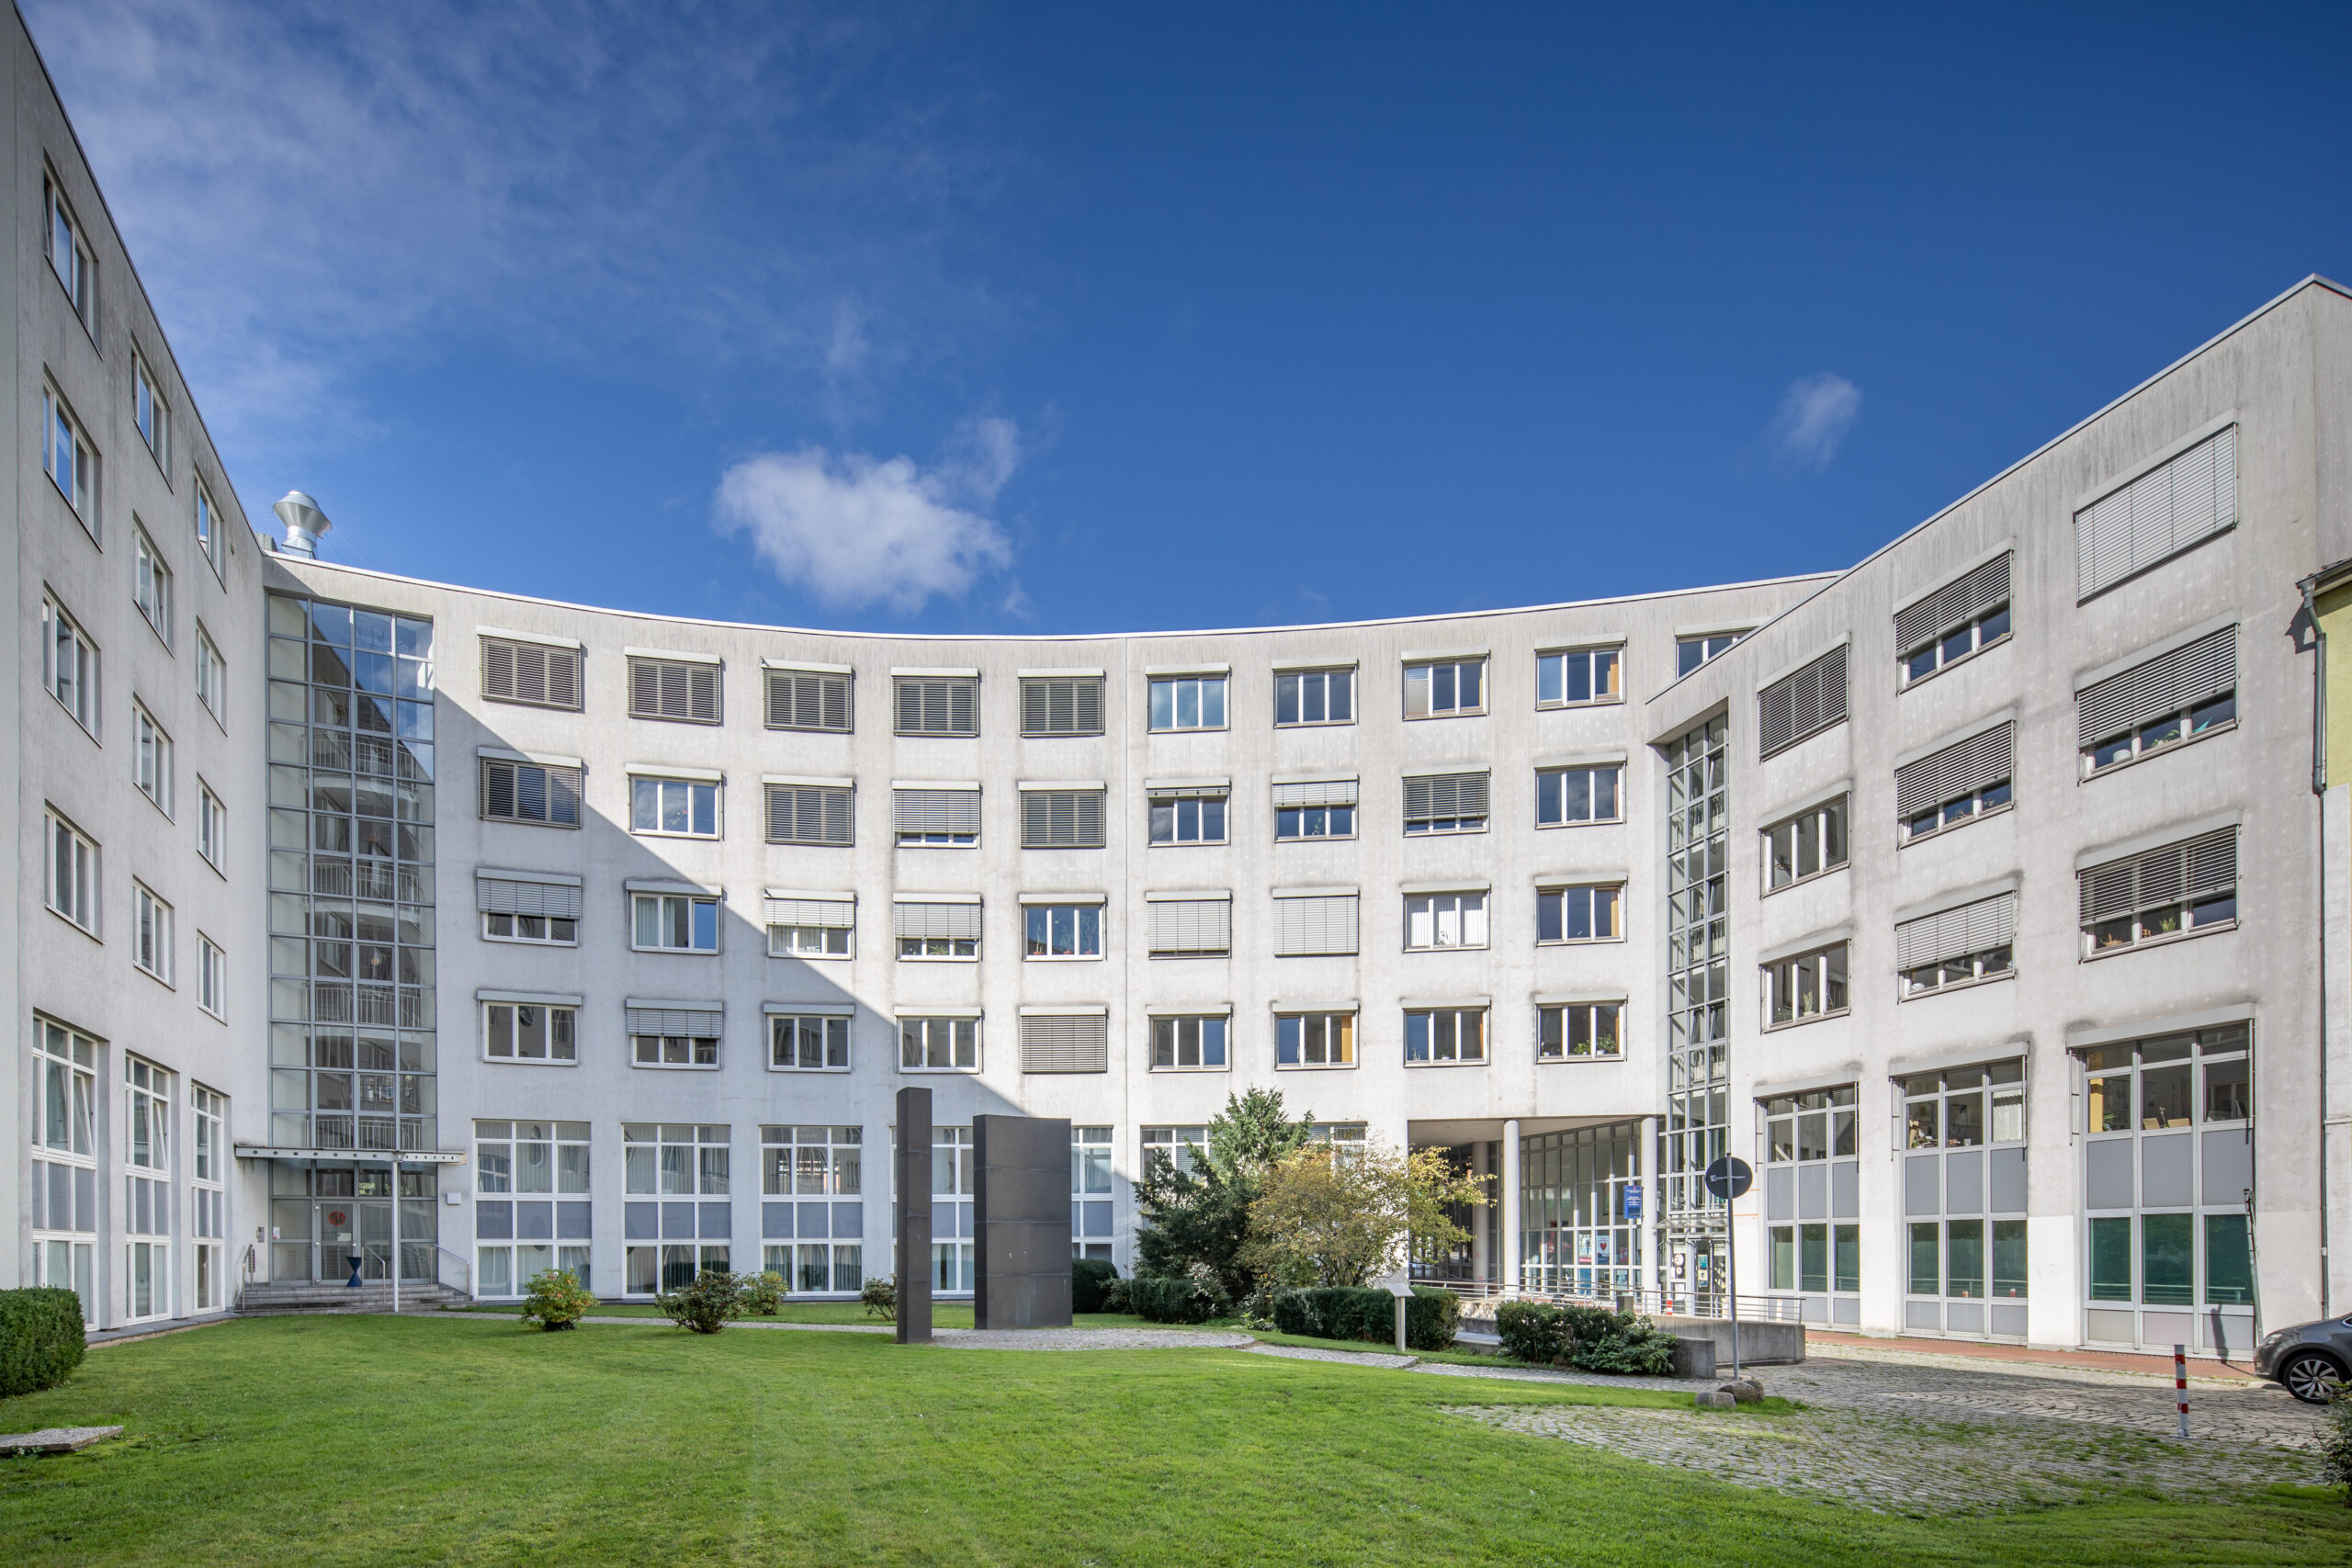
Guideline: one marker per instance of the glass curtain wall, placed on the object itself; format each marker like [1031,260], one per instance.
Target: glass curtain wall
[1698,1051]
[1578,1239]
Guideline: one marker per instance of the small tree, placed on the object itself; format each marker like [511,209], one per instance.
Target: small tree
[706,1303]
[1199,1218]
[1331,1218]
[764,1294]
[880,1298]
[558,1299]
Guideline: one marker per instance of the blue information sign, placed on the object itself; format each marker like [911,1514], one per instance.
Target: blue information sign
[1632,1199]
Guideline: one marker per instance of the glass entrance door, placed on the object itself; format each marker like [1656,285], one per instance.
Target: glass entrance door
[340,1225]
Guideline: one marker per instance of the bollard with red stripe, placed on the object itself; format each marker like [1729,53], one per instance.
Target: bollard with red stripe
[2180,1386]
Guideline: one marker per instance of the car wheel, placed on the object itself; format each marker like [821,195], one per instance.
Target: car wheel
[2311,1377]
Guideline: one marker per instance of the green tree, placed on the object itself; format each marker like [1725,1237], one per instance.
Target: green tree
[1199,1218]
[1324,1217]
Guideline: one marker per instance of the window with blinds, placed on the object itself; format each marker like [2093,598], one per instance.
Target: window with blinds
[1066,1043]
[1189,928]
[2173,507]
[1802,703]
[937,704]
[674,1036]
[517,908]
[1316,808]
[1958,946]
[530,672]
[1309,925]
[811,928]
[2174,696]
[679,690]
[1061,818]
[1446,803]
[1954,785]
[1970,613]
[808,699]
[1061,705]
[936,929]
[529,792]
[2183,889]
[811,813]
[936,815]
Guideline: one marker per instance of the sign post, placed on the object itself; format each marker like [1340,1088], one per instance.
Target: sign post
[1729,1177]
[1401,1285]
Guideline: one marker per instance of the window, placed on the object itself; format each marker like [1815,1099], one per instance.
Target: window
[151,937]
[543,793]
[1975,1117]
[208,525]
[211,826]
[1090,1192]
[71,874]
[1188,814]
[1062,930]
[1585,676]
[936,818]
[1690,653]
[69,662]
[1312,924]
[674,1036]
[1445,688]
[1803,704]
[530,1032]
[1444,919]
[2181,695]
[1955,621]
[147,1200]
[817,1246]
[1580,913]
[71,462]
[67,1085]
[151,758]
[536,674]
[1314,1040]
[808,699]
[937,704]
[681,807]
[1957,947]
[1565,796]
[1579,1029]
[804,927]
[1194,1043]
[680,690]
[2173,507]
[939,1044]
[69,254]
[809,1043]
[1345,1139]
[674,922]
[1197,926]
[150,414]
[1810,986]
[1190,702]
[1315,808]
[1445,1035]
[952,1185]
[209,1218]
[1803,1134]
[1804,846]
[151,583]
[2184,889]
[1446,803]
[1949,1111]
[671,1242]
[212,677]
[823,814]
[517,908]
[1065,1040]
[533,1181]
[1955,785]
[212,987]
[1061,705]
[1184,1148]
[927,929]
[1061,818]
[1314,696]
[65,1195]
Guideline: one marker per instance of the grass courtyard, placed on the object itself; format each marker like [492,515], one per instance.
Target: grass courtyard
[472,1439]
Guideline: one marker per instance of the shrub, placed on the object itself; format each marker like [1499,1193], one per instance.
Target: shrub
[1181,1300]
[1116,1297]
[705,1302]
[41,1339]
[558,1299]
[764,1294]
[1088,1276]
[1431,1316]
[2335,1444]
[880,1299]
[1534,1332]
[1593,1338]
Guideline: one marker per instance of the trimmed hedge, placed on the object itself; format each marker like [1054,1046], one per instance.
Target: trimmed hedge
[1432,1315]
[41,1339]
[1171,1301]
[1592,1338]
[1088,1276]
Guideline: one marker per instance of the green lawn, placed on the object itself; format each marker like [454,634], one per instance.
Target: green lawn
[383,1440]
[944,1314]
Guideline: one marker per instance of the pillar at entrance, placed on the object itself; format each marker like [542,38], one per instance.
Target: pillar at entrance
[1510,1261]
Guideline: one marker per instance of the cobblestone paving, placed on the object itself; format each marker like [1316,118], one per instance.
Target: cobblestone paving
[1087,1339]
[1361,1358]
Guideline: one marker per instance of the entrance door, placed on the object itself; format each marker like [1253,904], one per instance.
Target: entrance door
[338,1223]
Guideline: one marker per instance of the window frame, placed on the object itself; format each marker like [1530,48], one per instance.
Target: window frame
[1840,807]
[211,828]
[1434,919]
[204,518]
[512,1056]
[212,977]
[946,731]
[2192,732]
[1081,914]
[151,758]
[1559,1045]
[81,289]
[954,1044]
[150,583]
[1991,800]
[1545,790]
[1708,653]
[549,773]
[487,644]
[1906,659]
[778,1021]
[772,675]
[1455,826]
[1174,803]
[693,789]
[1344,1020]
[212,678]
[1428,668]
[1429,1057]
[1294,679]
[1840,975]
[1591,654]
[1173,1026]
[514,935]
[658,664]
[695,904]
[1981,972]
[1043,685]
[80,487]
[59,623]
[1560,891]
[2190,929]
[695,1059]
[150,938]
[150,411]
[1200,682]
[87,876]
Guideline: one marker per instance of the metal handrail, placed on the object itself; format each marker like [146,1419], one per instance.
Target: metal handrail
[464,1268]
[1665,1304]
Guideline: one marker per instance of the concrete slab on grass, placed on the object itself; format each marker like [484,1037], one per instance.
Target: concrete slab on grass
[56,1440]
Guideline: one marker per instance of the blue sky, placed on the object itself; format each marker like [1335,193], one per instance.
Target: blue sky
[1058,318]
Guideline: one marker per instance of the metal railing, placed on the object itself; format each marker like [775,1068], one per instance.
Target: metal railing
[1648,1302]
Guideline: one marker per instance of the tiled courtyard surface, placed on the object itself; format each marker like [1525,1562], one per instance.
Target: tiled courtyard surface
[1926,1438]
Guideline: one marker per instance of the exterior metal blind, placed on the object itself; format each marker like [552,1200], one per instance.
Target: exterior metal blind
[674,689]
[500,895]
[957,920]
[1320,924]
[804,814]
[693,1022]
[1954,771]
[2165,683]
[530,672]
[1317,792]
[2189,498]
[1955,933]
[1063,1042]
[938,705]
[1956,603]
[1061,705]
[839,914]
[1446,795]
[1803,704]
[1061,819]
[935,810]
[526,792]
[1184,926]
[808,699]
[1190,792]
[2207,864]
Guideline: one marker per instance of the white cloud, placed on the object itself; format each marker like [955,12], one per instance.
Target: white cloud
[1816,414]
[853,530]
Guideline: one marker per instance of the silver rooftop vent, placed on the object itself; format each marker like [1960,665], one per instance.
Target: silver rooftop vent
[304,523]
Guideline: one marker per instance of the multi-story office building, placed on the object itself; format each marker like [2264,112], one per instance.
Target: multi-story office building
[1978,895]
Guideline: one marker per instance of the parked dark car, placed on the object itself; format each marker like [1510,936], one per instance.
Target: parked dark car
[2312,1360]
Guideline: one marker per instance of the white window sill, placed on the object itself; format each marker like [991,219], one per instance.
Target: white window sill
[658,833]
[1320,837]
[938,958]
[1808,879]
[804,957]
[1450,713]
[1193,729]
[1941,828]
[1315,724]
[162,635]
[811,1072]
[1578,942]
[527,702]
[1413,832]
[1922,996]
[1451,947]
[153,975]
[2191,934]
[528,822]
[1586,1056]
[527,1061]
[1061,958]
[2166,749]
[676,719]
[1915,682]
[1617,701]
[936,1072]
[1222,1069]
[1315,1067]
[1809,1018]
[1582,822]
[1190,844]
[75,924]
[919,844]
[540,941]
[673,952]
[215,1014]
[1472,1062]
[676,1066]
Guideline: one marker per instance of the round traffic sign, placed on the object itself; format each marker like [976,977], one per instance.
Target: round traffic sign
[1729,1177]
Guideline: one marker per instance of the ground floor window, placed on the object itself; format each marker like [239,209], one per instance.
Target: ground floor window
[1816,1258]
[649,1271]
[509,1270]
[815,1266]
[1090,1192]
[1579,1235]
[64,1203]
[147,1278]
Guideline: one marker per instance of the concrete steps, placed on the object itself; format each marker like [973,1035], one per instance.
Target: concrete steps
[374,1296]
